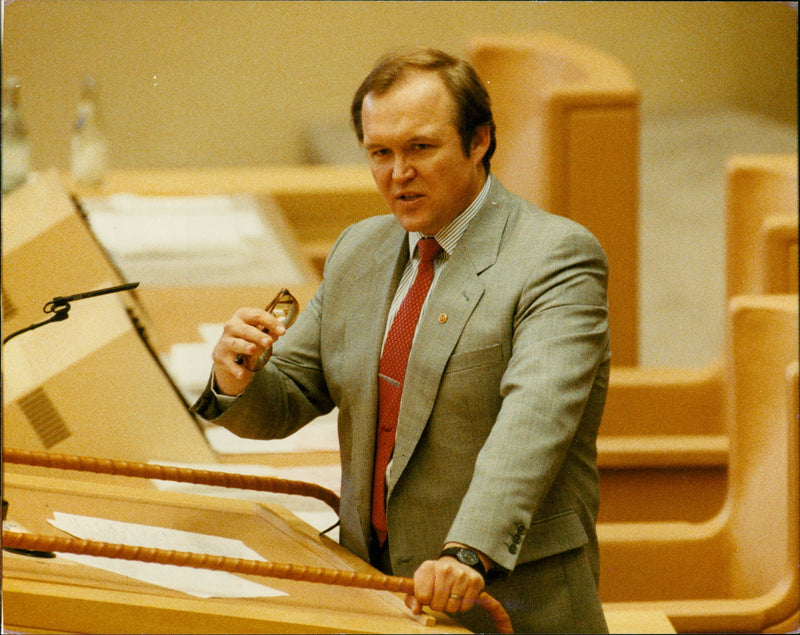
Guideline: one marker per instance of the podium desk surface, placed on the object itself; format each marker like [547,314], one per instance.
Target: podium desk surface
[59,595]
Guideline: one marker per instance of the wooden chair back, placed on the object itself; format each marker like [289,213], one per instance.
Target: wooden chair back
[567,119]
[763,486]
[761,224]
[739,571]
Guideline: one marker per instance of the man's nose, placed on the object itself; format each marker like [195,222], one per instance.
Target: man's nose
[402,169]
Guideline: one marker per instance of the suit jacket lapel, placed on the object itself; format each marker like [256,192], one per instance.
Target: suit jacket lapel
[455,296]
[370,308]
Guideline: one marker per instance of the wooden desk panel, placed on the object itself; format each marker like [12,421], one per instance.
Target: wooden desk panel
[56,594]
[60,596]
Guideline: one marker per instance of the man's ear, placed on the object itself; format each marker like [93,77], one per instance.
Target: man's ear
[480,142]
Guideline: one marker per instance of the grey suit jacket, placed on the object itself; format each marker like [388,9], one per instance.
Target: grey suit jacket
[503,397]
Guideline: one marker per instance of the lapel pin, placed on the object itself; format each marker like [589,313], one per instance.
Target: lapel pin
[442,318]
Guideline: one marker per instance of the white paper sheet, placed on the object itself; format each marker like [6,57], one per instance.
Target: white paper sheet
[189,364]
[311,510]
[204,583]
[321,435]
[194,240]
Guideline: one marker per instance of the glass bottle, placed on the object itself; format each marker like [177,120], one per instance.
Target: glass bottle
[89,143]
[16,153]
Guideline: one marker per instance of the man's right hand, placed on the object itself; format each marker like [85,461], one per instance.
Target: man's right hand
[248,334]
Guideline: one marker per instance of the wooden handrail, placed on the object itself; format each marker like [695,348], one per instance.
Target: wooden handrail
[380,582]
[171,473]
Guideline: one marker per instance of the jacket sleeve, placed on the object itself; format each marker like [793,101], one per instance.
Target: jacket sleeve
[540,454]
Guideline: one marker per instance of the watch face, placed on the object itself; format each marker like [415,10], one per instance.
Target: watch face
[468,557]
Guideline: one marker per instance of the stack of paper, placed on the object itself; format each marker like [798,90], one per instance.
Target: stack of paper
[193,240]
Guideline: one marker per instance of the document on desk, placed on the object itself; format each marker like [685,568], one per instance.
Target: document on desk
[234,239]
[204,583]
[320,435]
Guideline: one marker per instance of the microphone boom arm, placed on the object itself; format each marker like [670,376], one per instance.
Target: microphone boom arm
[59,306]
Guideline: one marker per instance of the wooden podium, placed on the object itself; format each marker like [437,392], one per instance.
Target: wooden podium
[48,250]
[89,385]
[57,595]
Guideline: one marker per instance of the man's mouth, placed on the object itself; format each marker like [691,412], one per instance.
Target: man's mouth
[408,197]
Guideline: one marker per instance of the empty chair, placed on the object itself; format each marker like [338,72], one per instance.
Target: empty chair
[567,120]
[761,223]
[663,444]
[777,254]
[739,570]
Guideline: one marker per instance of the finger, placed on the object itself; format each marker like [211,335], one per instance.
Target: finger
[262,320]
[414,604]
[454,602]
[230,375]
[473,590]
[447,582]
[242,339]
[230,351]
[456,586]
[245,332]
[249,323]
[424,578]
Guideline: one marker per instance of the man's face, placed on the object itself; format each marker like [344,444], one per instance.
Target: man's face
[416,155]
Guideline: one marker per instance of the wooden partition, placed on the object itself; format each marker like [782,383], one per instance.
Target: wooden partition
[90,386]
[778,254]
[318,201]
[739,571]
[567,120]
[663,447]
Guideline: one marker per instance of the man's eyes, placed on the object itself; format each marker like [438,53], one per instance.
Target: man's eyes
[379,153]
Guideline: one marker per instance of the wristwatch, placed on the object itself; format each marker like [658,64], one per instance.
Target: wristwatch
[466,556]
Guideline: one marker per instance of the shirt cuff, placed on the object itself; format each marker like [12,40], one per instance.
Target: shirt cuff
[223,401]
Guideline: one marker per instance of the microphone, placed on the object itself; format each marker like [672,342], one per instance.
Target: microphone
[59,306]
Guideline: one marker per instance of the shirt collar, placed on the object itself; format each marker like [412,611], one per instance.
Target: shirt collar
[449,235]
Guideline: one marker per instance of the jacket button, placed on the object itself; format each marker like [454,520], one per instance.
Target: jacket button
[512,549]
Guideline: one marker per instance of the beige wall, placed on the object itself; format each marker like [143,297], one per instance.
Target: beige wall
[235,82]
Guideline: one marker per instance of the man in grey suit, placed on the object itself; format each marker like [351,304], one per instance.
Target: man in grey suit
[493,479]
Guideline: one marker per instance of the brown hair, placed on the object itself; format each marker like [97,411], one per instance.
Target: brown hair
[473,105]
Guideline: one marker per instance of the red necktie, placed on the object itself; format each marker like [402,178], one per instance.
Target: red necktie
[392,372]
